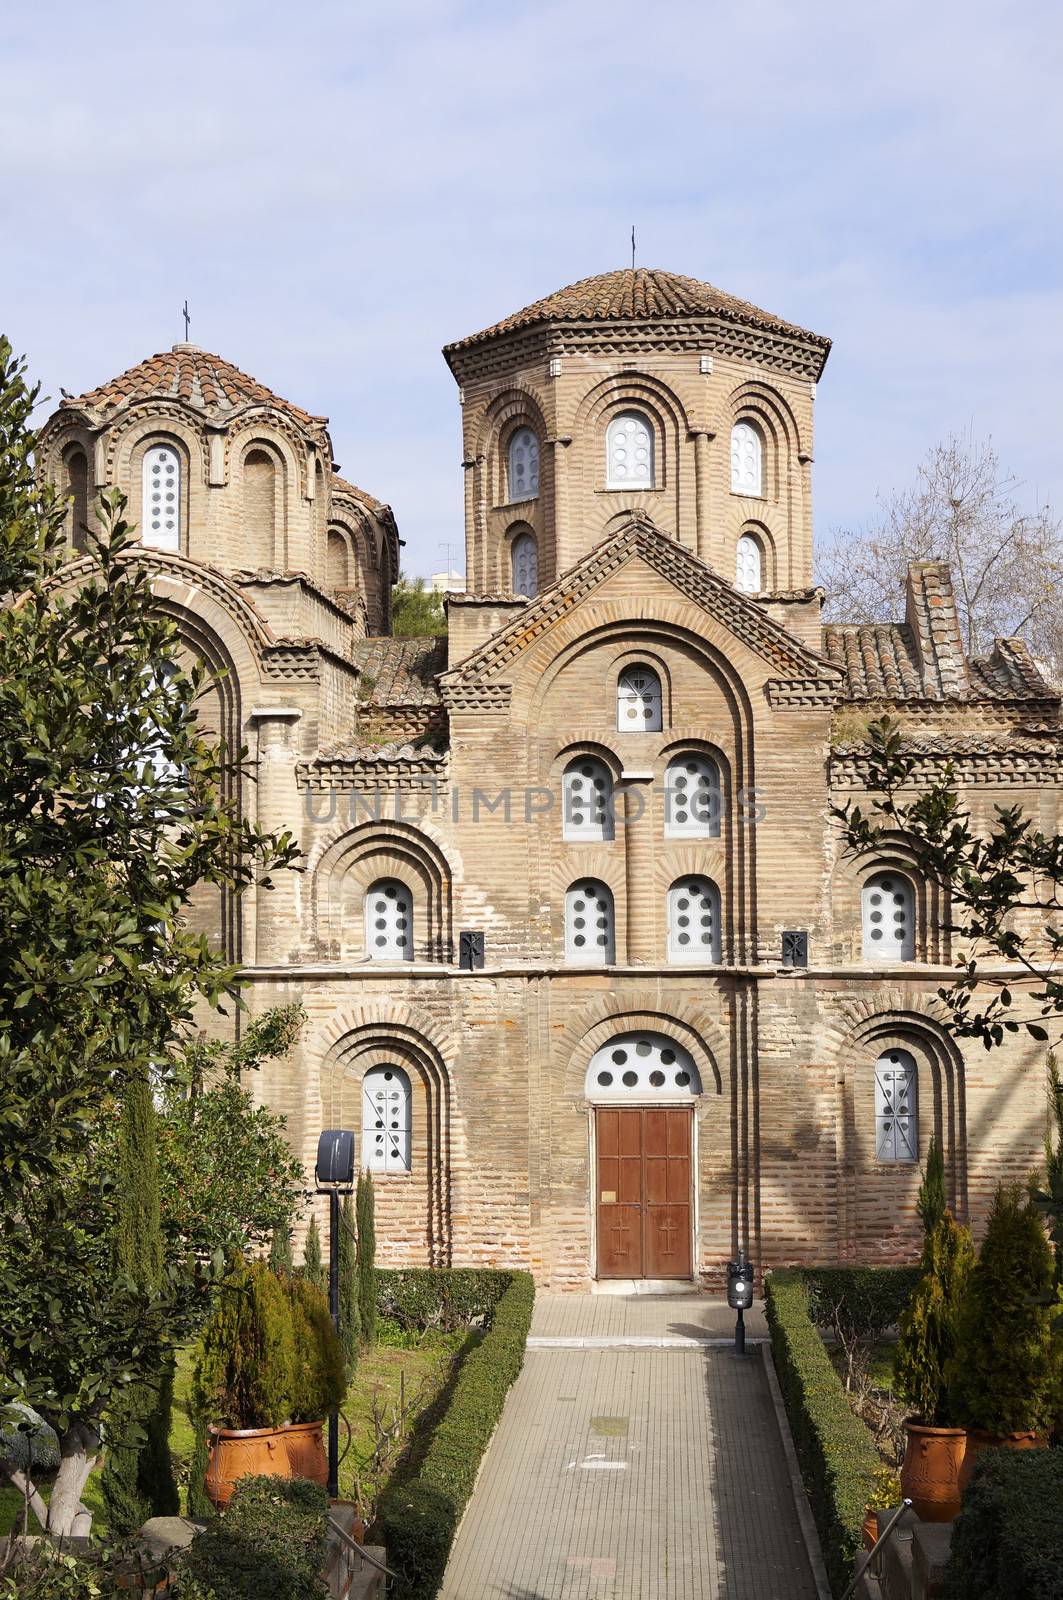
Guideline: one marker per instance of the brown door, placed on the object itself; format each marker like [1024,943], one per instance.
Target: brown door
[644,1222]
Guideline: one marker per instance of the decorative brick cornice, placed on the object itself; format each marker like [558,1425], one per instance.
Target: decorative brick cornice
[477,696]
[973,768]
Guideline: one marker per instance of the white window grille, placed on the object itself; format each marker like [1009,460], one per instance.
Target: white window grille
[642,1066]
[896,1107]
[694,921]
[629,452]
[160,520]
[387,1120]
[524,465]
[887,908]
[639,702]
[587,795]
[389,921]
[747,459]
[692,797]
[589,936]
[748,570]
[524,554]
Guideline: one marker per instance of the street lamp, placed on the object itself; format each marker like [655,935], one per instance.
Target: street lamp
[334,1175]
[740,1296]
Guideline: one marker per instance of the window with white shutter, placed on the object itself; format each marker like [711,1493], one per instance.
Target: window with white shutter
[587,795]
[524,465]
[160,517]
[387,1120]
[887,911]
[896,1107]
[692,797]
[389,921]
[639,702]
[747,459]
[694,921]
[629,452]
[589,935]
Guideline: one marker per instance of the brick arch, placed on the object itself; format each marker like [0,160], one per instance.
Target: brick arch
[265,546]
[414,1210]
[130,432]
[688,1023]
[515,407]
[769,550]
[342,871]
[933,910]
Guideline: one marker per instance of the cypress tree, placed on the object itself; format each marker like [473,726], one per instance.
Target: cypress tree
[928,1326]
[931,1202]
[365,1207]
[350,1308]
[1054,1165]
[313,1268]
[280,1250]
[138,1480]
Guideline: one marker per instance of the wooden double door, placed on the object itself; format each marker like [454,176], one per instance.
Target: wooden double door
[645,1221]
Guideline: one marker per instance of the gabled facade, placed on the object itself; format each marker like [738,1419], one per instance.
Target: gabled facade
[583,961]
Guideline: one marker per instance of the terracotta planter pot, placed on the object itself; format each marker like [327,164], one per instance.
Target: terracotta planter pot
[977,1441]
[870,1528]
[930,1471]
[242,1453]
[306,1451]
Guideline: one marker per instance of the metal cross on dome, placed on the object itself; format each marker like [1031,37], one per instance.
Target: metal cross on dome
[187,318]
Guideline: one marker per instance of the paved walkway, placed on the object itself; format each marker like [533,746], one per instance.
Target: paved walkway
[634,1472]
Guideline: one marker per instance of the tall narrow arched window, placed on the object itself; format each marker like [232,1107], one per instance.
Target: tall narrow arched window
[590,939]
[887,913]
[639,702]
[587,793]
[747,459]
[524,557]
[694,921]
[896,1107]
[389,921]
[387,1120]
[629,452]
[77,487]
[160,521]
[260,507]
[749,574]
[524,465]
[337,560]
[692,797]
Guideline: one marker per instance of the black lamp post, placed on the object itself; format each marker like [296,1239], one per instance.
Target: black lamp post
[334,1175]
[740,1296]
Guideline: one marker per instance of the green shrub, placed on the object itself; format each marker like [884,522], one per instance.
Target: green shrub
[365,1206]
[435,1297]
[319,1379]
[929,1326]
[1007,1543]
[350,1288]
[1000,1377]
[864,1302]
[419,1518]
[272,1540]
[243,1371]
[313,1267]
[838,1459]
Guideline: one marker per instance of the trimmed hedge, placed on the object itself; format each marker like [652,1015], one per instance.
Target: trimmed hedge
[837,1456]
[272,1540]
[444,1297]
[420,1517]
[866,1300]
[1007,1543]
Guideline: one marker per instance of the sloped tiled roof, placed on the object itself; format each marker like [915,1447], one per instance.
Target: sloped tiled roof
[341,486]
[637,294]
[880,663]
[404,671]
[188,373]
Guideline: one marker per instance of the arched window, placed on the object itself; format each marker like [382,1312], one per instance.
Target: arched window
[589,936]
[896,1107]
[639,703]
[694,921]
[77,487]
[748,565]
[389,921]
[692,797]
[629,452]
[887,907]
[587,800]
[642,1066]
[524,465]
[387,1120]
[747,459]
[524,555]
[160,520]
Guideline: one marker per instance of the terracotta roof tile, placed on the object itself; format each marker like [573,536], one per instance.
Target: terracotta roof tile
[880,663]
[341,486]
[188,373]
[403,671]
[639,294]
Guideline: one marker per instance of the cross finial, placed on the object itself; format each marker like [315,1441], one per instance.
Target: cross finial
[632,247]
[187,318]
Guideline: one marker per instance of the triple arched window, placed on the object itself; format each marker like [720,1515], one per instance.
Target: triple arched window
[387,1120]
[691,797]
[587,800]
[524,465]
[160,519]
[747,459]
[590,935]
[749,567]
[629,462]
[389,921]
[896,1107]
[887,917]
[694,921]
[639,702]
[524,558]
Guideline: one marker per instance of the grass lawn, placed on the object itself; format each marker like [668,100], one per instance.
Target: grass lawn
[399,1385]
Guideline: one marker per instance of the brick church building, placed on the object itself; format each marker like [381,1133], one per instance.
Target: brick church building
[583,960]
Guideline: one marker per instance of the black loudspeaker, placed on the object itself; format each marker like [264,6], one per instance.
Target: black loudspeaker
[335,1159]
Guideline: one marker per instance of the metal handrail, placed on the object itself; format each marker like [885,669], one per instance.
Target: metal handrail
[904,1506]
[361,1550]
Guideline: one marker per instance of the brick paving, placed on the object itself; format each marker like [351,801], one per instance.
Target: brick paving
[633,1474]
[608,1316]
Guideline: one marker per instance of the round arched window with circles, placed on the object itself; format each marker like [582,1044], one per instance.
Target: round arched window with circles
[160,514]
[887,906]
[642,1066]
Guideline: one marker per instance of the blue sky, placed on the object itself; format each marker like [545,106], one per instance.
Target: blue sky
[340,189]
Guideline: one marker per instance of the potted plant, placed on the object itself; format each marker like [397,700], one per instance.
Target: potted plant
[935,1438]
[885,1495]
[318,1379]
[243,1379]
[1001,1373]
